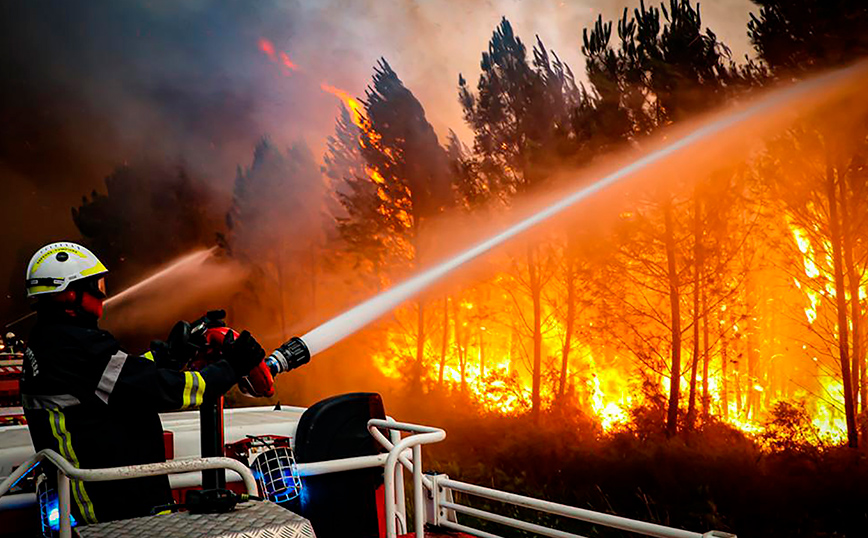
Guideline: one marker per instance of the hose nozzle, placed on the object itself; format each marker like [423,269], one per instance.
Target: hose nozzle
[288,356]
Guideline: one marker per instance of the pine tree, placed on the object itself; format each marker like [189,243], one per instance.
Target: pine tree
[275,225]
[521,115]
[825,190]
[661,72]
[149,215]
[405,184]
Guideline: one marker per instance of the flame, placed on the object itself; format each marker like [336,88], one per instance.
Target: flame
[812,272]
[284,59]
[267,47]
[827,417]
[281,57]
[484,351]
[354,105]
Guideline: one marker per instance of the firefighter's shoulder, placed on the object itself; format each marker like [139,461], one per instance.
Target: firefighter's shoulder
[86,340]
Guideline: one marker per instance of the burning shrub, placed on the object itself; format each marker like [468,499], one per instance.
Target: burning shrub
[789,429]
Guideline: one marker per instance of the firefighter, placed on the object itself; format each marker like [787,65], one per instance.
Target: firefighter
[95,404]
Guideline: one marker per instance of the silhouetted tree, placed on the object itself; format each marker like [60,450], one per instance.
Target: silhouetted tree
[354,202]
[661,72]
[275,223]
[405,183]
[149,214]
[523,118]
[806,35]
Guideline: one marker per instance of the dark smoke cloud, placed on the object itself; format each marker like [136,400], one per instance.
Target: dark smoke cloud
[89,85]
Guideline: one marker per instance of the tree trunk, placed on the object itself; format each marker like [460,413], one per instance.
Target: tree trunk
[706,357]
[675,315]
[459,346]
[571,314]
[751,396]
[739,401]
[853,277]
[691,400]
[841,303]
[697,283]
[536,295]
[724,394]
[481,353]
[445,340]
[420,340]
[863,387]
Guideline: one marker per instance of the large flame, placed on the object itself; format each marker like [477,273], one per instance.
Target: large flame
[356,108]
[488,357]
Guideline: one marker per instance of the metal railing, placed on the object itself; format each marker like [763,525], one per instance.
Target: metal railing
[436,492]
[66,471]
[442,503]
[421,435]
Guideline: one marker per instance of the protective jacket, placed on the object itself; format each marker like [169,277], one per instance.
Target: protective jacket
[98,406]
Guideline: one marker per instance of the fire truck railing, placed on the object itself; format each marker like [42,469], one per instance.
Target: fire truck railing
[433,495]
[443,504]
[420,435]
[66,471]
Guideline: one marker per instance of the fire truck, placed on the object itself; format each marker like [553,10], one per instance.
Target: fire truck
[339,468]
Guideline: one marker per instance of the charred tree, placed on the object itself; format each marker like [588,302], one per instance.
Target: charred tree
[706,357]
[841,304]
[570,282]
[445,341]
[697,314]
[675,317]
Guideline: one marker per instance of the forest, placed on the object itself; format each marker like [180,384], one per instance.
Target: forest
[691,351]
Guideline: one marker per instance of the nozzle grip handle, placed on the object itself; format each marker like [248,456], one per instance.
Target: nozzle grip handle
[288,356]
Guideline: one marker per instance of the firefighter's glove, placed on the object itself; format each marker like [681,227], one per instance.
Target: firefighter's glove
[243,353]
[178,349]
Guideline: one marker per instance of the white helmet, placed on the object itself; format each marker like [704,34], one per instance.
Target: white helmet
[55,266]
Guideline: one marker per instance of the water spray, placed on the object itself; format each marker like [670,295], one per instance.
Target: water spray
[194,258]
[298,351]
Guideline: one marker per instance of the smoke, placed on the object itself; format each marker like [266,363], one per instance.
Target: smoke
[93,85]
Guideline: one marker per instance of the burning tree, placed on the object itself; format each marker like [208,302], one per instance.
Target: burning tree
[520,116]
[687,284]
[820,171]
[404,183]
[659,75]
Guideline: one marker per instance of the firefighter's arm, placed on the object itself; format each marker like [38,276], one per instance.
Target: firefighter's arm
[136,380]
[139,382]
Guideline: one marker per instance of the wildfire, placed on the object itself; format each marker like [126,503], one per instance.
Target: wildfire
[477,345]
[487,360]
[827,418]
